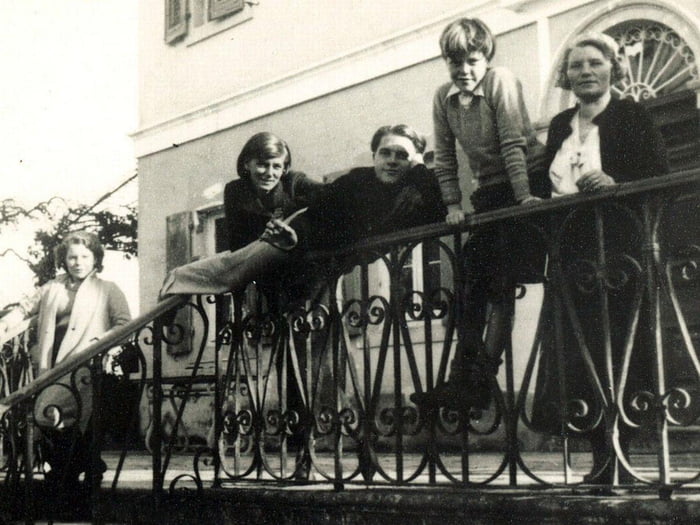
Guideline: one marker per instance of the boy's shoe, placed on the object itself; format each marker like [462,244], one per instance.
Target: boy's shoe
[474,391]
[455,395]
[97,474]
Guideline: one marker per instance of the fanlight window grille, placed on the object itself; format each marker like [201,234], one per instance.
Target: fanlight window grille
[658,60]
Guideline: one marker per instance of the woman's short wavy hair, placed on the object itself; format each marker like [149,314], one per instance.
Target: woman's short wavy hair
[401,130]
[465,36]
[605,44]
[87,239]
[263,146]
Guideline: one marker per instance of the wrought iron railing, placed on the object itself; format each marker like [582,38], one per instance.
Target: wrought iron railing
[317,391]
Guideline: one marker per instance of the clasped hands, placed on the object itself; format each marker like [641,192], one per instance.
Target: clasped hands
[594,180]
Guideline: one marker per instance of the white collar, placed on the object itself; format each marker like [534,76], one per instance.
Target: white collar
[454,90]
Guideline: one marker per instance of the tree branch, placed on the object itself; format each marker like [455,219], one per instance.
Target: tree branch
[10,251]
[10,211]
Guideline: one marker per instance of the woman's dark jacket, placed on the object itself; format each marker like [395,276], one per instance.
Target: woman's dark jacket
[358,205]
[247,212]
[631,148]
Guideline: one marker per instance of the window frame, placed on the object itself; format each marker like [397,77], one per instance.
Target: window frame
[200,19]
[178,29]
[220,8]
[417,266]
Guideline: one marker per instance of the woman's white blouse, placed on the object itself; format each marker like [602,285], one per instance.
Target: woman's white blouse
[573,159]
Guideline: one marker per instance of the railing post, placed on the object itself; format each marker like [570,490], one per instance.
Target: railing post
[396,319]
[367,466]
[29,463]
[338,384]
[652,262]
[460,347]
[429,372]
[512,413]
[157,435]
[95,472]
[219,382]
[235,358]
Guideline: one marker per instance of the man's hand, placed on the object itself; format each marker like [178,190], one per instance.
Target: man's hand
[455,214]
[280,235]
[594,180]
[530,199]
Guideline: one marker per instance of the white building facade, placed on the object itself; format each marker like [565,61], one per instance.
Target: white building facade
[324,75]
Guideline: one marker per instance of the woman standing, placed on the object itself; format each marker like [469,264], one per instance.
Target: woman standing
[74,309]
[600,142]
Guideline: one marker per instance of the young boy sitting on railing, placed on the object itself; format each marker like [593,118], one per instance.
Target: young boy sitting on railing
[483,110]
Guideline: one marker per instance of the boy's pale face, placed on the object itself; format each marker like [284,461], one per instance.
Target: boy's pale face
[468,73]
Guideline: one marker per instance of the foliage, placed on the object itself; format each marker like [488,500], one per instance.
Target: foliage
[11,212]
[116,231]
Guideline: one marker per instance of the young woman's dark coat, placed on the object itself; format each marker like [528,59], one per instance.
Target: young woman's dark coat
[247,212]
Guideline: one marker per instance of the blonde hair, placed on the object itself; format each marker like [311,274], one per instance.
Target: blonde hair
[465,36]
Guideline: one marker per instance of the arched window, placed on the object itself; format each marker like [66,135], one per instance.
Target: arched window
[660,45]
[658,60]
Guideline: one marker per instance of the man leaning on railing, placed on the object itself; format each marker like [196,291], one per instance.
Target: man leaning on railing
[397,192]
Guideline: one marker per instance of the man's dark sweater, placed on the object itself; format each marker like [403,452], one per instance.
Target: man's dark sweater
[358,205]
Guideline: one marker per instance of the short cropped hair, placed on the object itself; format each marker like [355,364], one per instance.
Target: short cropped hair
[605,44]
[401,130]
[263,146]
[87,239]
[465,36]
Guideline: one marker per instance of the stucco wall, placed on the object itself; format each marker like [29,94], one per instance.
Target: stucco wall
[285,35]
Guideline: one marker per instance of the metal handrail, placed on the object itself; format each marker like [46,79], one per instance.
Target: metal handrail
[109,340]
[118,334]
[673,180]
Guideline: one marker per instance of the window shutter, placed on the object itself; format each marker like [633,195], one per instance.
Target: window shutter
[219,8]
[178,251]
[352,290]
[178,247]
[175,20]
